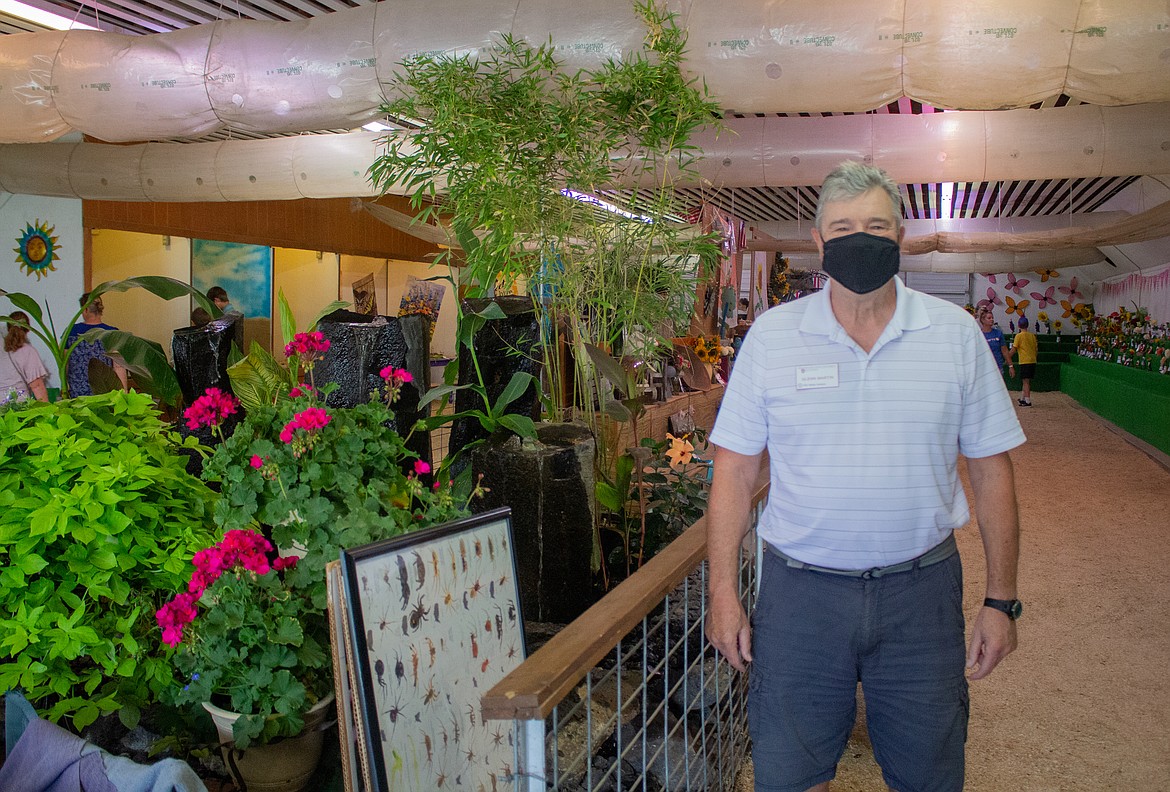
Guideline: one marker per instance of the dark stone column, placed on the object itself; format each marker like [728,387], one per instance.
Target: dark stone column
[201,355]
[549,486]
[201,361]
[503,347]
[360,346]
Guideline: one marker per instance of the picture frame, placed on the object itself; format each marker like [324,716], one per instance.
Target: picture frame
[435,622]
[365,296]
[355,766]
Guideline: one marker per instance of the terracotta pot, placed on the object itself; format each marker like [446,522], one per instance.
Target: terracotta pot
[282,766]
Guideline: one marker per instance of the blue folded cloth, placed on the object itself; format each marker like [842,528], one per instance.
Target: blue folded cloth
[43,757]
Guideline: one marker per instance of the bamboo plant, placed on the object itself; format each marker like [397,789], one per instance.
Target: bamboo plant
[512,152]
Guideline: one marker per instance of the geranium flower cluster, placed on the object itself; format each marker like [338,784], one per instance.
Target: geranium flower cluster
[210,409]
[301,431]
[307,346]
[238,549]
[395,378]
[309,419]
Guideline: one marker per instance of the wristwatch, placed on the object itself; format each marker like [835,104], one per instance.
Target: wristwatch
[1013,607]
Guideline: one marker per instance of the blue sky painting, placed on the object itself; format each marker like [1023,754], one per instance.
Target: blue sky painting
[245,271]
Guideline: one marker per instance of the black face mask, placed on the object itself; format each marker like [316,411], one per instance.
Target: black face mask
[861,262]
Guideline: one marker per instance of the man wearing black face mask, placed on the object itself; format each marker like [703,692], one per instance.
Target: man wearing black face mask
[864,395]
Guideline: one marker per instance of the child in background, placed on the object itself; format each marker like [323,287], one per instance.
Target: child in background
[1024,347]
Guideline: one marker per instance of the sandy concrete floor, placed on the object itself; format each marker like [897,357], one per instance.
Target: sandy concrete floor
[1084,703]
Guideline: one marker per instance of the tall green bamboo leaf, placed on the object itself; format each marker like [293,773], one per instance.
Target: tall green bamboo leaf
[288,322]
[610,368]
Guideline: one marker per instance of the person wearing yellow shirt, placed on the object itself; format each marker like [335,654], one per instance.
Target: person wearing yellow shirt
[1024,347]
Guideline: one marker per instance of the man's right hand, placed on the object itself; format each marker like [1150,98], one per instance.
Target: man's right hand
[729,631]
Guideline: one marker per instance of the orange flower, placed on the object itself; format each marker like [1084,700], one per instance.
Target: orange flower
[680,451]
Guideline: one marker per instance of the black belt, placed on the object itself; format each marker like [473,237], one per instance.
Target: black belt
[940,552]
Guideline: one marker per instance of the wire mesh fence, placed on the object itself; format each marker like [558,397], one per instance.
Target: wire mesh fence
[661,711]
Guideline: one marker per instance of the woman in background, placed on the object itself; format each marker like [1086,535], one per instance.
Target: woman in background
[77,370]
[22,373]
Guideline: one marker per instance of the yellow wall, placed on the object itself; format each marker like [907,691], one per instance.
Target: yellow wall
[122,254]
[309,284]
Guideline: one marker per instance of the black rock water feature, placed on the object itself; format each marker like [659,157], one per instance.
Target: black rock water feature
[201,355]
[503,347]
[201,361]
[549,486]
[360,346]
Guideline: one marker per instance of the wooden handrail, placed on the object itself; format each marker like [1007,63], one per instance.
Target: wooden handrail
[536,686]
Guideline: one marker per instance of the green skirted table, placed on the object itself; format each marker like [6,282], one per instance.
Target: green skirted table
[1137,401]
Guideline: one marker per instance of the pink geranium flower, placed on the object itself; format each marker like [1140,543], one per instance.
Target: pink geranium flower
[246,549]
[210,409]
[421,467]
[307,345]
[396,376]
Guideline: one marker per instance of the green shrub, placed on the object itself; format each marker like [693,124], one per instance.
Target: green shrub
[98,521]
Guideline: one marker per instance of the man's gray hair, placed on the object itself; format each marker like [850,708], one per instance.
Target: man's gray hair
[851,179]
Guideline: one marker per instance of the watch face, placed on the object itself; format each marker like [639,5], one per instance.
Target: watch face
[1017,608]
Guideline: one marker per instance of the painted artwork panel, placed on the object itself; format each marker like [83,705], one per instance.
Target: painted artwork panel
[436,623]
[245,271]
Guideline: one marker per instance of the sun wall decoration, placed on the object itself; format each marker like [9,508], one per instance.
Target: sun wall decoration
[36,249]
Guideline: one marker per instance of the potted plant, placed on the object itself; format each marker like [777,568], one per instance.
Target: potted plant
[249,653]
[298,480]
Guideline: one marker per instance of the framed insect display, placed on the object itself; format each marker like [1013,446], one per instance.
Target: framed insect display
[435,622]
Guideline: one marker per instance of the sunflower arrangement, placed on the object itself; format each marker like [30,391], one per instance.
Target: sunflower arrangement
[708,349]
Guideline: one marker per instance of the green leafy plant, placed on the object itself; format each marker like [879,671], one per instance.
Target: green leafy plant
[519,149]
[145,358]
[660,488]
[492,416]
[240,629]
[98,518]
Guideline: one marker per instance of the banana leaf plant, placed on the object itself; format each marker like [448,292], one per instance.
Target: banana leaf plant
[146,359]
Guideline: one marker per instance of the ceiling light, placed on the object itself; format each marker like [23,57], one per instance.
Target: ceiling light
[606,205]
[44,18]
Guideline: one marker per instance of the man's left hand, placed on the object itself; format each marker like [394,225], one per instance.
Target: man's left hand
[992,639]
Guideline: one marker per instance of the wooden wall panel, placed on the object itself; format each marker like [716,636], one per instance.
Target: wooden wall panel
[334,225]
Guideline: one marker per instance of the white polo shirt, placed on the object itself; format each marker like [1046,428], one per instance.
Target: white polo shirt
[864,447]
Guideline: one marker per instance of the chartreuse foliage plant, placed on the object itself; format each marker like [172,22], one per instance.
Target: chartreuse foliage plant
[98,521]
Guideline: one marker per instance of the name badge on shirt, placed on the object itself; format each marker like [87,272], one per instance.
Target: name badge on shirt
[809,377]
